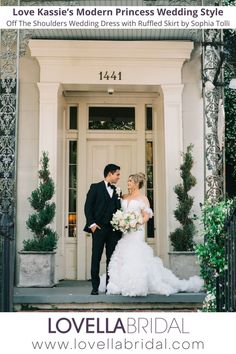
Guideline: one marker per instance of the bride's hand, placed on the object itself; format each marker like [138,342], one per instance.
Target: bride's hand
[145,217]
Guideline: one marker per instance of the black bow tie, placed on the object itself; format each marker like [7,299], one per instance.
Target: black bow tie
[111,185]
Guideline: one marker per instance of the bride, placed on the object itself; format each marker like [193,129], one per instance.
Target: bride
[133,270]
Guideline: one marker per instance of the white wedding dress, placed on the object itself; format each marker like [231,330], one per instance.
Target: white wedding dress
[135,271]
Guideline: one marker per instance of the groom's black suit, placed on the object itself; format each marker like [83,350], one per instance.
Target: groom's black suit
[99,208]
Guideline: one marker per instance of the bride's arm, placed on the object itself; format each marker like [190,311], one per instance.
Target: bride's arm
[146,211]
[145,216]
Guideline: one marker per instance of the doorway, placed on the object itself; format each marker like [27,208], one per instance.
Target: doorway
[99,133]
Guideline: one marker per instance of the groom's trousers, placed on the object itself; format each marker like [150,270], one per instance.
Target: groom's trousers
[104,237]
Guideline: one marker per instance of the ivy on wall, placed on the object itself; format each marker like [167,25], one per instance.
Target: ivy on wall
[211,253]
[230,106]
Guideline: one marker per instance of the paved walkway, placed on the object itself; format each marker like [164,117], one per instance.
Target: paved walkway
[76,295]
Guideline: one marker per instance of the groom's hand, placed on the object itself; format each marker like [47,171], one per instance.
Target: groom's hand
[95,227]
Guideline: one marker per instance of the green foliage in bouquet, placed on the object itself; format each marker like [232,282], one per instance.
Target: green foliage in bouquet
[182,237]
[211,252]
[44,238]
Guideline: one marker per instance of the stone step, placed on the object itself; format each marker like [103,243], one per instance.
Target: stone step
[76,296]
[98,307]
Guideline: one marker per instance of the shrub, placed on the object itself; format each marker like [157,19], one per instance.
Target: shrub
[44,238]
[182,237]
[211,252]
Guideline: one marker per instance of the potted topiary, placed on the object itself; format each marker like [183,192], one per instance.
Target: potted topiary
[183,260]
[37,259]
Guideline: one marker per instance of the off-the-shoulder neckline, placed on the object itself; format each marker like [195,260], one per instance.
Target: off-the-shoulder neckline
[136,199]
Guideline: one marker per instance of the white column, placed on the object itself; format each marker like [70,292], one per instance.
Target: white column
[49,140]
[173,141]
[48,122]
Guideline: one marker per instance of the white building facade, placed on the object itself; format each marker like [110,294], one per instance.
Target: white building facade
[88,103]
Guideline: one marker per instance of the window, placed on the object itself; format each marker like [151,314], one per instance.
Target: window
[112,118]
[73,117]
[150,191]
[72,204]
[148,118]
[149,166]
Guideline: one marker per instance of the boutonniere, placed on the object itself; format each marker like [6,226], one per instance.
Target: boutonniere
[118,192]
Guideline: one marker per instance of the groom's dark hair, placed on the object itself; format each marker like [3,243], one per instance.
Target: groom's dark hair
[111,167]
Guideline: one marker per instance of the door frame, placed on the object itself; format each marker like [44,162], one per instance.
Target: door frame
[139,101]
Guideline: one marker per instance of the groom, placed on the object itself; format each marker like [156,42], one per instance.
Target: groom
[101,203]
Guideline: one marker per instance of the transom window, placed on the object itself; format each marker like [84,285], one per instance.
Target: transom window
[73,111]
[112,118]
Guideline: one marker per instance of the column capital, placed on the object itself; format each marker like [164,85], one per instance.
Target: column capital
[49,90]
[172,92]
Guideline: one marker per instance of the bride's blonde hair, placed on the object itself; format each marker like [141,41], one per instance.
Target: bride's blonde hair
[138,178]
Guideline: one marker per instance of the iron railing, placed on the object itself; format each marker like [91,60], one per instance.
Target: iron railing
[6,262]
[9,64]
[226,282]
[1,273]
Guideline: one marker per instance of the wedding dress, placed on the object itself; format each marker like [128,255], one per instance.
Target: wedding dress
[134,270]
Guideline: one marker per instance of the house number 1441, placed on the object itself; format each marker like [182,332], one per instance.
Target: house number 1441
[105,75]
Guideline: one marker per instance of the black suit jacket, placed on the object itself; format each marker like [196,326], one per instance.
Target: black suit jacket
[96,202]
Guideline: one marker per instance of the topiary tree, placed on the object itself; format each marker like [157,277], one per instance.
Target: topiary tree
[44,238]
[182,237]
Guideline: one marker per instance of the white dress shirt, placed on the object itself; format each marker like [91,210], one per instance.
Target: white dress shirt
[109,189]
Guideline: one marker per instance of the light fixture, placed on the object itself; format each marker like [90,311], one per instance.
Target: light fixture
[110,91]
[232,84]
[72,218]
[209,86]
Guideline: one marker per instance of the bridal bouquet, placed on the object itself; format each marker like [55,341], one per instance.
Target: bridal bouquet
[126,221]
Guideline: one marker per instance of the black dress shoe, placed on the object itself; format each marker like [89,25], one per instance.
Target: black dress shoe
[94,292]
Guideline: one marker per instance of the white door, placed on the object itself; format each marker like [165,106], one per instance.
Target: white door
[99,154]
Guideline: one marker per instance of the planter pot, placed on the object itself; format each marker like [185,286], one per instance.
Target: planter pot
[184,264]
[36,269]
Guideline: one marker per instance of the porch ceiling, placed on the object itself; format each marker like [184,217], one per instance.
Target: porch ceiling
[71,90]
[118,34]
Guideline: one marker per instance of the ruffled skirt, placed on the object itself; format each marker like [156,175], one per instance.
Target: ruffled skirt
[135,271]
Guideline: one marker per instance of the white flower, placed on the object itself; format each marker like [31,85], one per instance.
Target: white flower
[126,221]
[122,223]
[209,297]
[118,192]
[140,219]
[119,215]
[133,223]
